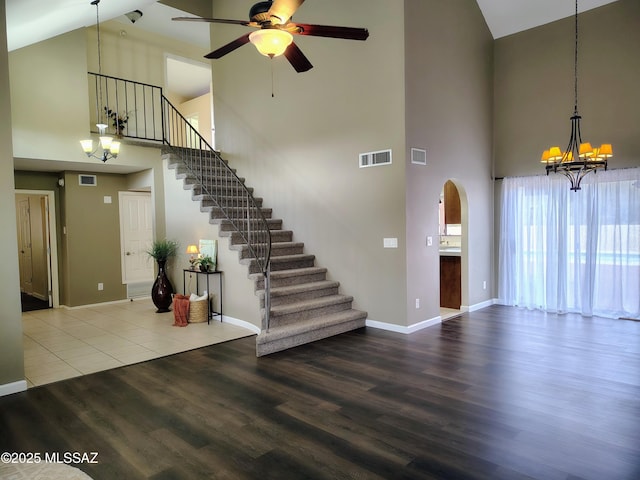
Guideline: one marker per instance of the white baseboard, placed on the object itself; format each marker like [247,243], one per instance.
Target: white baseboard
[402,329]
[114,302]
[481,305]
[14,387]
[241,323]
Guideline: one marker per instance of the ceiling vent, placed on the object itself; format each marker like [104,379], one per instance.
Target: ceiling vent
[374,159]
[87,180]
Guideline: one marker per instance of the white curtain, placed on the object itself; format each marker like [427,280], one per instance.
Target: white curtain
[564,251]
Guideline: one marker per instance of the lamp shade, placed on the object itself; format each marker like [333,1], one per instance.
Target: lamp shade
[105,142]
[546,157]
[192,249]
[605,151]
[586,150]
[87,146]
[271,42]
[555,154]
[114,149]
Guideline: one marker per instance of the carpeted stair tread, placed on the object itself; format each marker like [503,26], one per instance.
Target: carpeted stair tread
[299,292]
[276,237]
[303,306]
[293,289]
[278,249]
[290,277]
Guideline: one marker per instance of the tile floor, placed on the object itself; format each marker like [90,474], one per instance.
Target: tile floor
[61,343]
[449,313]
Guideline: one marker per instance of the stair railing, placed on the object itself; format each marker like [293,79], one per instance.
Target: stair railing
[218,183]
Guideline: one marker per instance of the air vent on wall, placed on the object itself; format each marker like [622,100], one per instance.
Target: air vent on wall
[418,156]
[87,180]
[373,159]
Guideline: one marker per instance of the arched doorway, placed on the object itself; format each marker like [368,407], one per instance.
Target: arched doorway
[452,230]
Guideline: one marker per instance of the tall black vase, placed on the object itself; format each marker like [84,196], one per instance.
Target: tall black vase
[162,289]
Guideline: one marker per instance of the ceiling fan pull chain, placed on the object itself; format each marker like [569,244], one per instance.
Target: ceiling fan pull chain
[271,62]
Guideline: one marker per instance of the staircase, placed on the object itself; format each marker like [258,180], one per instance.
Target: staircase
[298,303]
[305,306]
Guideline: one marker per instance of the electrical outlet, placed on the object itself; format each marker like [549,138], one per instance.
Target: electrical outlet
[101,286]
[417,303]
[484,285]
[429,241]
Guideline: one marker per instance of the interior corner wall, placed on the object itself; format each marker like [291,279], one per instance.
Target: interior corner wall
[11,354]
[449,78]
[300,148]
[534,94]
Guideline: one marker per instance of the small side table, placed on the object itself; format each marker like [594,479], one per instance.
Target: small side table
[210,311]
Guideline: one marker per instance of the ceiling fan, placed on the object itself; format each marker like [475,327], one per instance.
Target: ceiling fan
[275,32]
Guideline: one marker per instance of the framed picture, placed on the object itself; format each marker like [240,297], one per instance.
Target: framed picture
[209,248]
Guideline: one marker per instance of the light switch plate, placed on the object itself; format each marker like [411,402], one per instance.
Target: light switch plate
[429,241]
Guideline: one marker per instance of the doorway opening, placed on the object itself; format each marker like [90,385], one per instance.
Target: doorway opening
[37,249]
[452,249]
[188,87]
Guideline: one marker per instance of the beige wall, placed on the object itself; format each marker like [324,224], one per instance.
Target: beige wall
[300,148]
[50,96]
[11,357]
[448,110]
[200,106]
[534,88]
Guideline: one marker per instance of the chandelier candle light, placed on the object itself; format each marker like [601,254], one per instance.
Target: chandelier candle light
[110,148]
[579,158]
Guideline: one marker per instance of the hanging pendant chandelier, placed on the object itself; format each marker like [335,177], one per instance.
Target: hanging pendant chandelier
[110,148]
[580,158]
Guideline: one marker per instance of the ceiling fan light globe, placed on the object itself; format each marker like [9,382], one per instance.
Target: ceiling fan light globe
[271,42]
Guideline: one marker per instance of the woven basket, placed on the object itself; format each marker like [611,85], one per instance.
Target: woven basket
[198,311]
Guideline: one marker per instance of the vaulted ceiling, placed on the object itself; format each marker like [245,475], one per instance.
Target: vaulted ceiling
[30,21]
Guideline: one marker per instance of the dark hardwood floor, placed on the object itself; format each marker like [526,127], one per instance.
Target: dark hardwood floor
[500,393]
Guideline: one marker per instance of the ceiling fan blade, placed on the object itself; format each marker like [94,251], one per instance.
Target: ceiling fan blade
[229,47]
[297,59]
[282,10]
[347,33]
[216,20]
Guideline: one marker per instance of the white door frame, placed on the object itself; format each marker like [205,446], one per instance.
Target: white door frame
[54,285]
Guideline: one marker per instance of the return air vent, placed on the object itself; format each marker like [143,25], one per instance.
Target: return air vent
[418,156]
[373,159]
[87,180]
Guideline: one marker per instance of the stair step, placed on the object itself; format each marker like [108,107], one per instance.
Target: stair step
[278,249]
[223,200]
[299,292]
[281,338]
[218,189]
[226,227]
[293,276]
[276,237]
[231,212]
[289,313]
[284,262]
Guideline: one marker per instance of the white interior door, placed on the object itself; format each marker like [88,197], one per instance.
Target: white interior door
[136,235]
[24,246]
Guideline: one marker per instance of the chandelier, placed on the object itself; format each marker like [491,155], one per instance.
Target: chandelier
[110,148]
[580,157]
